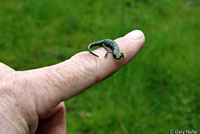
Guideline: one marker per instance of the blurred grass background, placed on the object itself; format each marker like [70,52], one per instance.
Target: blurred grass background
[158,91]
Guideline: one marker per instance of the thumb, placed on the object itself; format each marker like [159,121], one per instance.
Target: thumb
[62,81]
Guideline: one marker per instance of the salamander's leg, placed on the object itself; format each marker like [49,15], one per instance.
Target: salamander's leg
[108,51]
[106,47]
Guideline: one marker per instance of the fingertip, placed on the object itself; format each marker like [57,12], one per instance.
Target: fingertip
[135,35]
[131,44]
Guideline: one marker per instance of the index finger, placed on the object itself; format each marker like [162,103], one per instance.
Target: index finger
[64,80]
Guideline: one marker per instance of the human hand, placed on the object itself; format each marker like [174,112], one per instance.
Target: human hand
[32,101]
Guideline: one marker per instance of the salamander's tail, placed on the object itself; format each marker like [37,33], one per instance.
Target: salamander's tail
[91,45]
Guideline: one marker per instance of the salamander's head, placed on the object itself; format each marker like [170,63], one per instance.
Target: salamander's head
[118,55]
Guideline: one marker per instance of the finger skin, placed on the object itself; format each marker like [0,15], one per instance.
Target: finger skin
[54,122]
[53,84]
[5,69]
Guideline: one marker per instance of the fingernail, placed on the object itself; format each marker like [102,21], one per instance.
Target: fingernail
[135,35]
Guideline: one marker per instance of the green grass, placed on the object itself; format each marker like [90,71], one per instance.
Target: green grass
[158,91]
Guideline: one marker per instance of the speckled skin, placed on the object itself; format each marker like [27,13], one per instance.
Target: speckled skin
[107,43]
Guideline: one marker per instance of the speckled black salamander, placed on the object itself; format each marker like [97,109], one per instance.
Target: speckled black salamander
[107,43]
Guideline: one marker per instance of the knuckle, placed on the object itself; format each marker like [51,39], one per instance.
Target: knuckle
[14,89]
